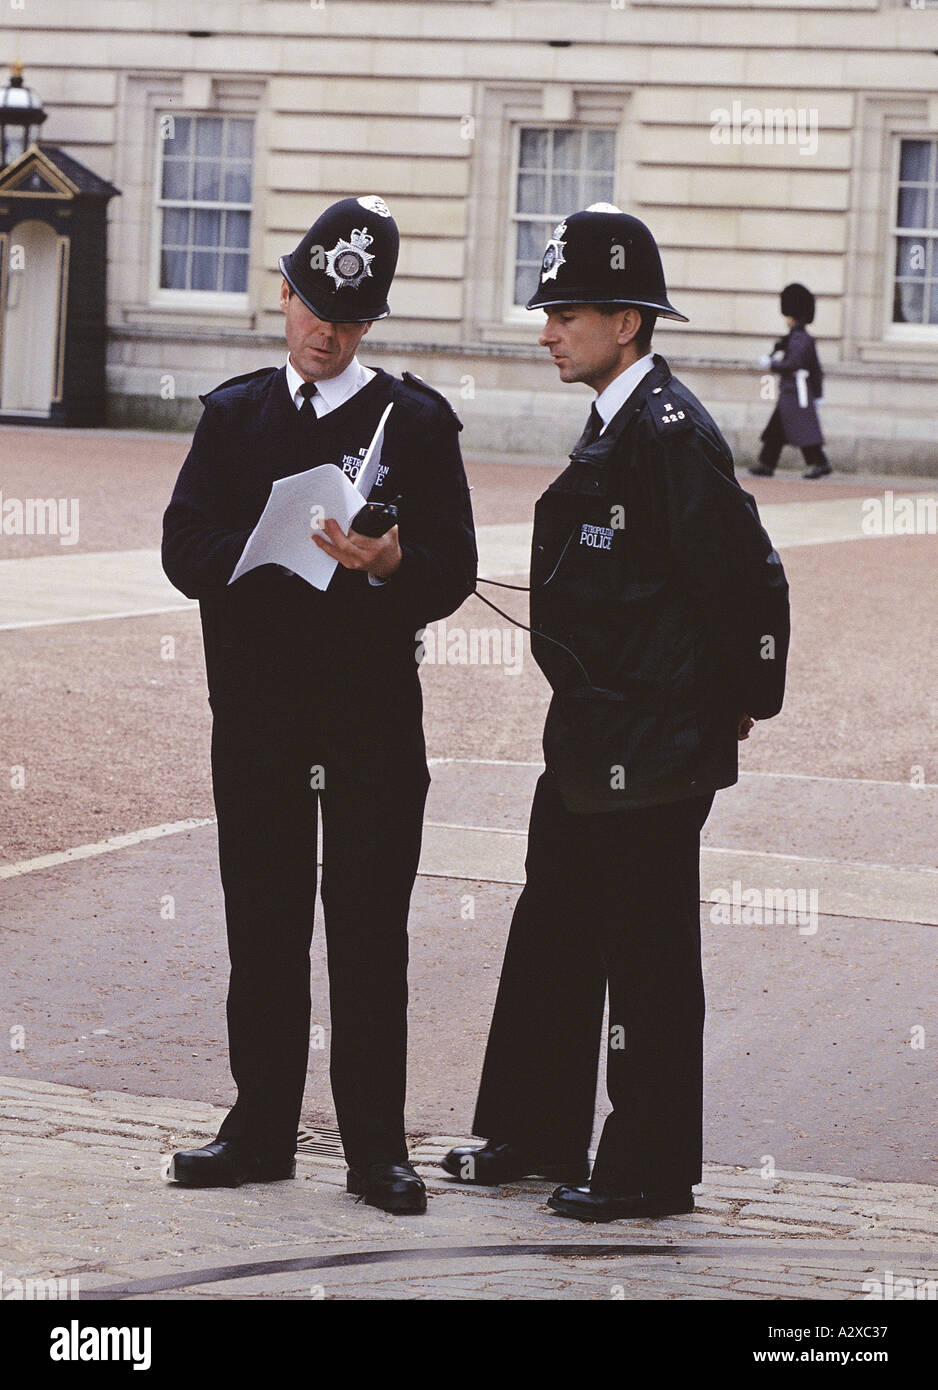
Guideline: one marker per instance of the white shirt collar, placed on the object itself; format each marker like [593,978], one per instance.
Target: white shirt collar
[332,391]
[611,401]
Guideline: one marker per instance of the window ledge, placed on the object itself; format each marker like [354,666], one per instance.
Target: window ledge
[912,350]
[518,332]
[181,314]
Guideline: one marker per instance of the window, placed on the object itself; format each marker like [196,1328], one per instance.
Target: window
[204,204]
[559,170]
[915,298]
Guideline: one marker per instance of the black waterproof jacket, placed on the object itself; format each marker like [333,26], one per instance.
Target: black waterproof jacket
[650,567]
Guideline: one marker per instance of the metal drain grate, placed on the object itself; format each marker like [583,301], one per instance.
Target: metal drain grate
[325,1142]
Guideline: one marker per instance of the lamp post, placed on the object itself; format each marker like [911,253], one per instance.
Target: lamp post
[21,115]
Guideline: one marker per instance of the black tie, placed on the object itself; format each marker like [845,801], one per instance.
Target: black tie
[307,391]
[593,429]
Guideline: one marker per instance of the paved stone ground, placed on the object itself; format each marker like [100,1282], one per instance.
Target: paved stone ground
[811,1051]
[808,1044]
[83,1198]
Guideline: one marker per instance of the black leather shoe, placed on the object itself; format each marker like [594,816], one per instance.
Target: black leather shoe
[819,470]
[600,1206]
[493,1163]
[760,471]
[394,1187]
[225,1164]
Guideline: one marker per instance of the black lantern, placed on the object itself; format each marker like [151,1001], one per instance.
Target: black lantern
[21,115]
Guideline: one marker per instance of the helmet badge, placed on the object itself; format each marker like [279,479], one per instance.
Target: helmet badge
[349,262]
[553,255]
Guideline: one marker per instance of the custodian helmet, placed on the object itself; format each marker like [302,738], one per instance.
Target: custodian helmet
[603,256]
[343,267]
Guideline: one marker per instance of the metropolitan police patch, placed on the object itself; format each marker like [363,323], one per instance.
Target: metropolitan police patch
[596,537]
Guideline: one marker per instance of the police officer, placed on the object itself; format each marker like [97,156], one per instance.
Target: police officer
[316,705]
[655,596]
[795,419]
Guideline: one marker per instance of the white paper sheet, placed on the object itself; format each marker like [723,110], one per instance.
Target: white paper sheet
[299,504]
[366,475]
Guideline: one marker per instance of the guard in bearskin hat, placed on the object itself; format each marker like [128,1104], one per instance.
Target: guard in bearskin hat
[316,707]
[655,597]
[794,420]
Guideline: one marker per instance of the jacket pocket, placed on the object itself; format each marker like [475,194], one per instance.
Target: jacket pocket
[610,750]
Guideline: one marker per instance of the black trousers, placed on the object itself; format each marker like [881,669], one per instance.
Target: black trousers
[371,795]
[609,900]
[774,441]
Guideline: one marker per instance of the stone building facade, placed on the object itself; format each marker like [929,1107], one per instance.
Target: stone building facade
[763,141]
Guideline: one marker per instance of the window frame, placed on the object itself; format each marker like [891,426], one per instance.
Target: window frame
[867,333]
[517,313]
[925,334]
[197,300]
[488,318]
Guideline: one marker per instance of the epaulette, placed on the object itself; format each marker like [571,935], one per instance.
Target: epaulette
[670,411]
[418,384]
[237,381]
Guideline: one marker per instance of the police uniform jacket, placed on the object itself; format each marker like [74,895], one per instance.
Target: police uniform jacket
[799,418]
[274,645]
[650,566]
